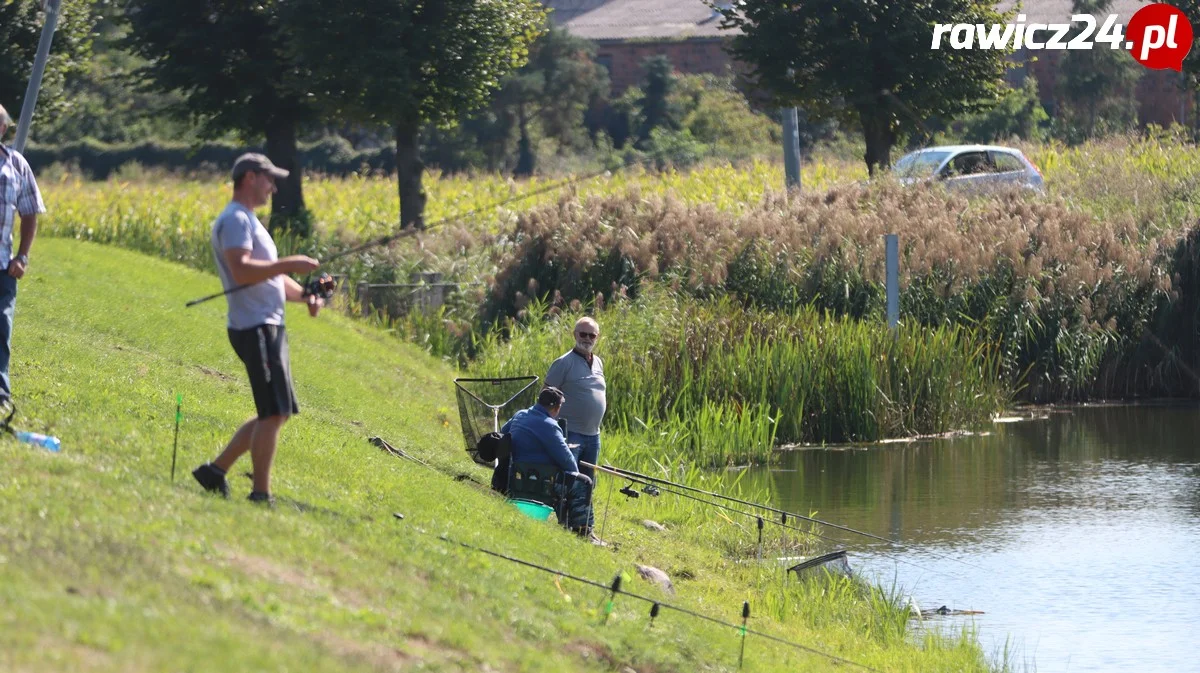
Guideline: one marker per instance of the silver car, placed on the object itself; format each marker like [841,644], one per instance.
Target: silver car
[969,167]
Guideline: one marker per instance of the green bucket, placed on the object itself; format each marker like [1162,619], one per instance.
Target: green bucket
[533,510]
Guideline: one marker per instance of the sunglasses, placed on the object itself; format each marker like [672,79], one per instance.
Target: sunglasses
[587,335]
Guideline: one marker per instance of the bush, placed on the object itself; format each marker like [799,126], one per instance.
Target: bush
[1058,292]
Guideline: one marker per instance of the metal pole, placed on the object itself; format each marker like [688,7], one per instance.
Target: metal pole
[35,77]
[893,280]
[791,148]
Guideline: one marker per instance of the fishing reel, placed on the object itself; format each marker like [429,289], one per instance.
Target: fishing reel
[322,286]
[648,489]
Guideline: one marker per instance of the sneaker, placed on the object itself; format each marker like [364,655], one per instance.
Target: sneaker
[212,479]
[260,497]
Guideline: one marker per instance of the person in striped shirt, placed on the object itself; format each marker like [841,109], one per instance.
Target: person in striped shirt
[19,195]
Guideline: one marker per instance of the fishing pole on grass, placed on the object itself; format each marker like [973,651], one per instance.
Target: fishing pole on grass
[324,285]
[666,483]
[615,589]
[387,448]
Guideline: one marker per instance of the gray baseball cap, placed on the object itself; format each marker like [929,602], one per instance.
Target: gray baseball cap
[253,161]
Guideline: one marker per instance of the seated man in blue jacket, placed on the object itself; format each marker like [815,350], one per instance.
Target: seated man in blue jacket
[537,438]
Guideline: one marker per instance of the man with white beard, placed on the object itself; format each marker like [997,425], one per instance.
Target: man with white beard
[579,373]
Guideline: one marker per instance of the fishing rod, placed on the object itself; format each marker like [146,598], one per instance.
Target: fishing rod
[782,524]
[615,588]
[325,283]
[629,474]
[398,452]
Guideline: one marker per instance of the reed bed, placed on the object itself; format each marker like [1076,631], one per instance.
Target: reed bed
[725,385]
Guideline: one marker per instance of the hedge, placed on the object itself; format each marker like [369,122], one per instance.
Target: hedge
[332,156]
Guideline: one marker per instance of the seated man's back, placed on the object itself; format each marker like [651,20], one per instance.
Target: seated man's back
[536,438]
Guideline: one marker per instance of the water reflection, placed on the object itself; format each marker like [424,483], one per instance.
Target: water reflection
[1083,527]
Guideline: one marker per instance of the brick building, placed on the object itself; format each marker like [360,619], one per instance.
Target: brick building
[627,32]
[688,32]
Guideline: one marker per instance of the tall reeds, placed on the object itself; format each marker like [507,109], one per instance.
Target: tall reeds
[726,384]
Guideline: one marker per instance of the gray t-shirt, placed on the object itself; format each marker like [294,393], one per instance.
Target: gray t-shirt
[261,303]
[585,390]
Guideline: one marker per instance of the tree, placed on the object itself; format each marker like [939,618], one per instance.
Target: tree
[230,60]
[1097,85]
[1018,113]
[20,30]
[657,108]
[651,106]
[1191,64]
[407,63]
[555,89]
[105,102]
[867,62]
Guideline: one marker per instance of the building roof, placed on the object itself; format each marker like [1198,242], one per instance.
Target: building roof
[1059,11]
[636,19]
[684,19]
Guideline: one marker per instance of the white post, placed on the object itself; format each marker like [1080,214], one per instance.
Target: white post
[893,280]
[35,77]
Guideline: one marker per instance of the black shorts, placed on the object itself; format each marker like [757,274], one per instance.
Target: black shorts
[264,350]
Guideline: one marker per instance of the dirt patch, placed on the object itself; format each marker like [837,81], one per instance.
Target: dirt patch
[595,652]
[417,650]
[380,657]
[212,372]
[85,657]
[273,571]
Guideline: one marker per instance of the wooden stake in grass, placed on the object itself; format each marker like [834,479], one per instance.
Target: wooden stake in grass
[175,449]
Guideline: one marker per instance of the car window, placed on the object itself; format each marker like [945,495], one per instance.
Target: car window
[969,163]
[920,164]
[1006,163]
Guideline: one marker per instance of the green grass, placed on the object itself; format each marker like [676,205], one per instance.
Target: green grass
[105,565]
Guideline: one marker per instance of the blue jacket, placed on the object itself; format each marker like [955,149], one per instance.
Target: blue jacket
[536,438]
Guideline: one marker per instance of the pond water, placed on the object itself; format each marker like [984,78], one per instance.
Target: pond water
[1076,534]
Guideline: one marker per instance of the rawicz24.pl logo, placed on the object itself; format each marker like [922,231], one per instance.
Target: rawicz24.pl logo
[1158,36]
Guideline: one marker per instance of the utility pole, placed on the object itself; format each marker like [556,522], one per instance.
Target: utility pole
[35,77]
[791,148]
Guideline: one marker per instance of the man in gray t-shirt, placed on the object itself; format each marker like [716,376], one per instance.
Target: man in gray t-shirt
[257,285]
[579,374]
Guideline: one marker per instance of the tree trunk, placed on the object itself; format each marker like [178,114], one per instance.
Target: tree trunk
[880,137]
[525,158]
[287,205]
[409,169]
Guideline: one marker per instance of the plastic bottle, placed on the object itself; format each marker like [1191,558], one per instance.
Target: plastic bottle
[48,443]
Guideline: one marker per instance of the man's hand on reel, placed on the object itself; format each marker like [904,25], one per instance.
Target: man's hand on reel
[317,291]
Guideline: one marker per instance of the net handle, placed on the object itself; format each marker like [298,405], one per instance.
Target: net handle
[496,407]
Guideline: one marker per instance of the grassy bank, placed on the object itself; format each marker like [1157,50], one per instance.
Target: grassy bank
[107,565]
